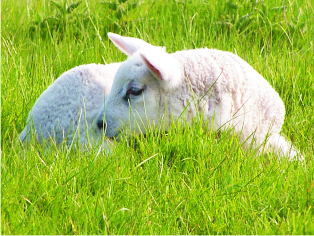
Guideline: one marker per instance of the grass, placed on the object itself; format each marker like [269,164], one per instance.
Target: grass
[190,181]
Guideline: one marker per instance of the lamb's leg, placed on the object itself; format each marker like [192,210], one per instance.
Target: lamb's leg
[280,145]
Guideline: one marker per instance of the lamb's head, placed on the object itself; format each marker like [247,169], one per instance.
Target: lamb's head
[141,88]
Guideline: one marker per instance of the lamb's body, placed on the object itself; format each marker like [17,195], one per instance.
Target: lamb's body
[69,106]
[219,84]
[229,87]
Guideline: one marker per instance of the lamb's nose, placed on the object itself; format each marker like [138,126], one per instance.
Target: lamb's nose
[101,124]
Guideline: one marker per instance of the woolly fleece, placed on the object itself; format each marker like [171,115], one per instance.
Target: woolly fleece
[217,83]
[69,106]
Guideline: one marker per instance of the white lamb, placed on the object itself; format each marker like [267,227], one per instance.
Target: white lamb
[154,85]
[69,107]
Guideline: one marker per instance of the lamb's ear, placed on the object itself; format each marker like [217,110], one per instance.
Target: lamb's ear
[163,66]
[126,44]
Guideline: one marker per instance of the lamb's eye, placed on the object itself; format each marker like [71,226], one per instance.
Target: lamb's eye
[133,92]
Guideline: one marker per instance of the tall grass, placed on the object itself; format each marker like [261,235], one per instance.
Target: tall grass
[188,181]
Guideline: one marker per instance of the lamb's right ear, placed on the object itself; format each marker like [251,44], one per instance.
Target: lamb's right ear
[127,45]
[162,66]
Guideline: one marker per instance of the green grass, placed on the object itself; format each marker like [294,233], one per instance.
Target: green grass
[190,181]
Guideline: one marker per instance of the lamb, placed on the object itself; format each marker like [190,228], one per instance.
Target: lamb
[154,86]
[68,108]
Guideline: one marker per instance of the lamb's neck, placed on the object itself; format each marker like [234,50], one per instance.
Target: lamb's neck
[198,80]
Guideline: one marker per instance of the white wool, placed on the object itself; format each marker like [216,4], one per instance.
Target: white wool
[220,84]
[236,94]
[69,106]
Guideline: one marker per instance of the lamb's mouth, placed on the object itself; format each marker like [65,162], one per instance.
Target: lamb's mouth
[114,137]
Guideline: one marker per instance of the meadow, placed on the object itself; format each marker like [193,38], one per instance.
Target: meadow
[188,181]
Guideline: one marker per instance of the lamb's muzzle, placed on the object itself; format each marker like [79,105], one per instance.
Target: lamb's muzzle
[101,124]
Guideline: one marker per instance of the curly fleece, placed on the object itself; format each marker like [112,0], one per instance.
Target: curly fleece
[69,106]
[221,85]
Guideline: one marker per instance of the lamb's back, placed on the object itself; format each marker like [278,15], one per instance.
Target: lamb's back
[73,99]
[238,89]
